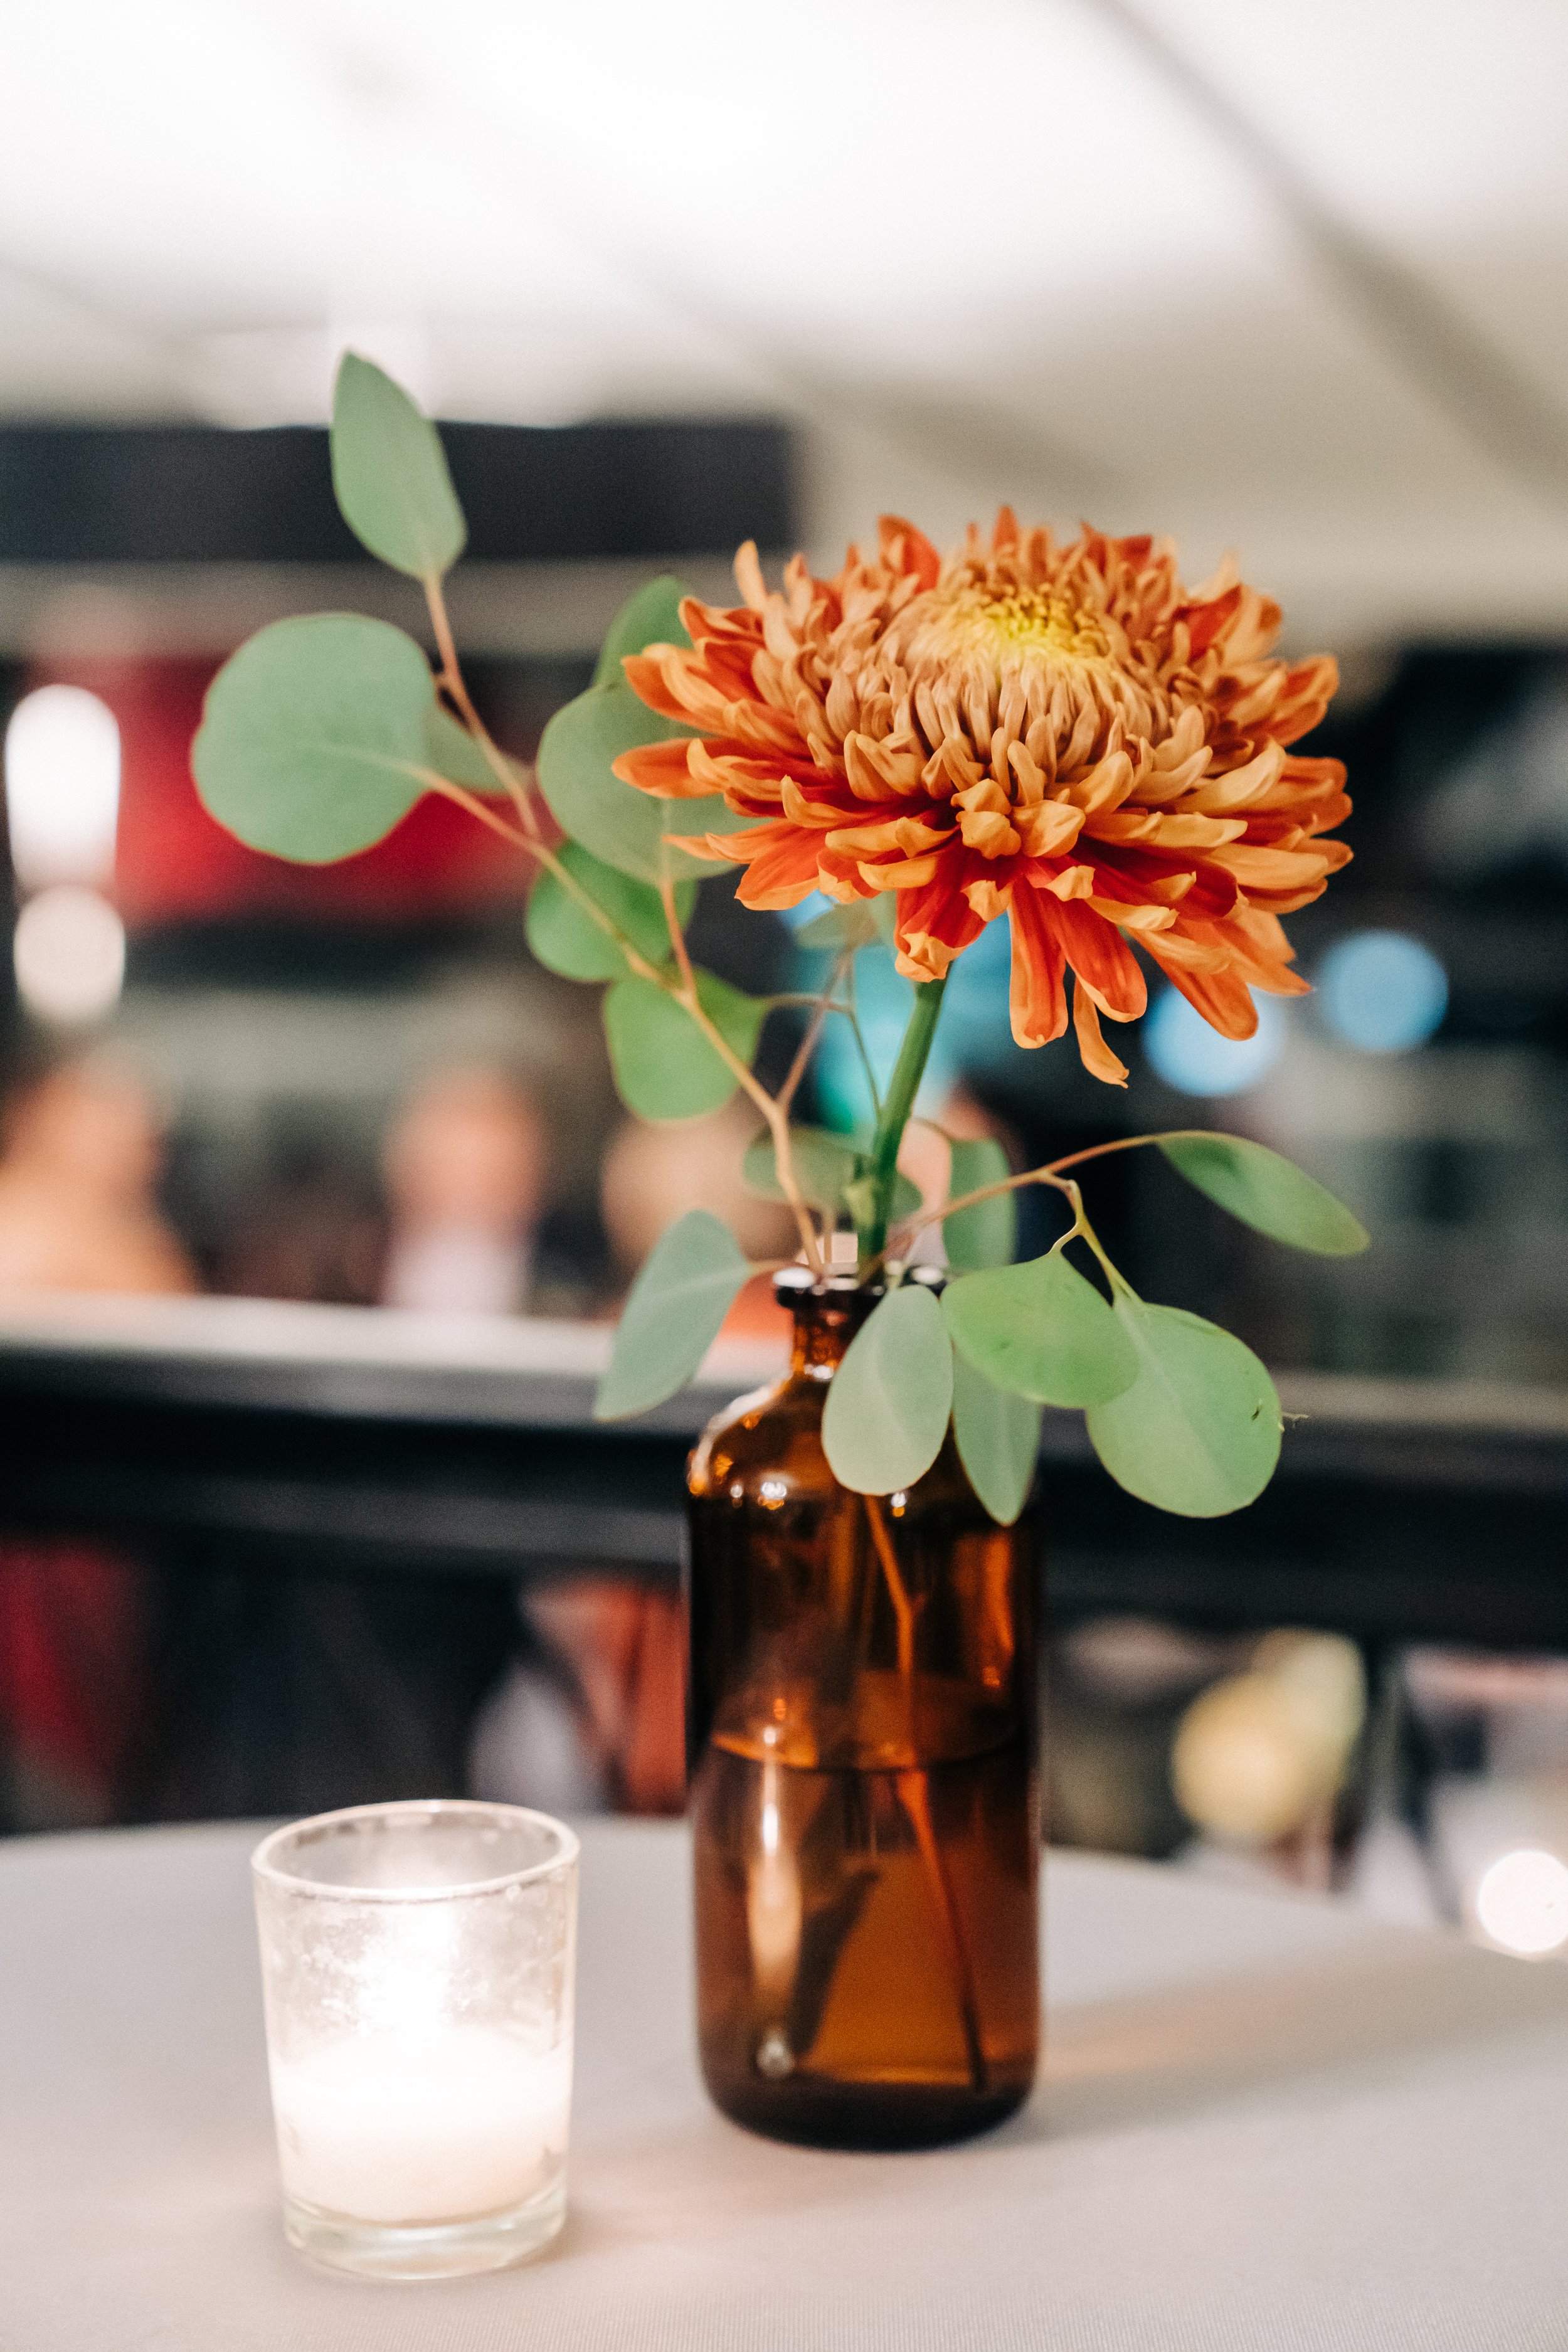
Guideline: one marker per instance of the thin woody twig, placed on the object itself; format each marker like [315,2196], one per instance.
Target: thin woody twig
[914,1794]
[452,682]
[684,988]
[1045,1175]
[824,1005]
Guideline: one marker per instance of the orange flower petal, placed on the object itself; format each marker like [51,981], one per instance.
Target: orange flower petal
[1037,994]
[1098,1058]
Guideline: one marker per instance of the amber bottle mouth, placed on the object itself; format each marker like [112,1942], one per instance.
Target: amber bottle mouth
[796,1286]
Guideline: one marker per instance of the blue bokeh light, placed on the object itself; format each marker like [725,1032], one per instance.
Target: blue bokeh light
[1381,992]
[1195,1059]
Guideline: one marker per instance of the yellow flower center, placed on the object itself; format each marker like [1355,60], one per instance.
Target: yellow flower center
[1003,625]
[1034,619]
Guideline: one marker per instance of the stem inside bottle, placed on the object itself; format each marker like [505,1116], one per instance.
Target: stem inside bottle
[863,1780]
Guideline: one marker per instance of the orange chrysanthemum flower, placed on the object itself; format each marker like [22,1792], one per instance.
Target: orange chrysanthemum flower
[1065,735]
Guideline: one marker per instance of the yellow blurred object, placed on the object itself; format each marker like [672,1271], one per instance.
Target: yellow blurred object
[1255,1754]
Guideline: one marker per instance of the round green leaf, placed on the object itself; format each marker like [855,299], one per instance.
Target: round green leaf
[650,617]
[998,1439]
[824,1165]
[889,1401]
[664,1066]
[831,1170]
[314,736]
[857,925]
[1198,1431]
[621,826]
[389,471]
[1265,1191]
[672,1315]
[987,1234]
[860,1197]
[453,753]
[1042,1330]
[567,939]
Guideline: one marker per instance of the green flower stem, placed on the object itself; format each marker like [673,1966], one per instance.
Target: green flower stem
[903,1088]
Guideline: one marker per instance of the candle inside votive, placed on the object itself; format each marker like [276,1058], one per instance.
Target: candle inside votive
[422,2126]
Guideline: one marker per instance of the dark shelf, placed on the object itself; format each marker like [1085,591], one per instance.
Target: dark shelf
[1416,1510]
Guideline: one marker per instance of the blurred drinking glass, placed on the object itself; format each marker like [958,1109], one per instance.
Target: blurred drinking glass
[1481,1782]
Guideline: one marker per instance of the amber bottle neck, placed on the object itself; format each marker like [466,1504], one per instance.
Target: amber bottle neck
[828,1314]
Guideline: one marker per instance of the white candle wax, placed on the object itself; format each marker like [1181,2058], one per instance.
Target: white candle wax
[417,2126]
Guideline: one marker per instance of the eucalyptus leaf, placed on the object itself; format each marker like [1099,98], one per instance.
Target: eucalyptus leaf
[987,1234]
[1265,1191]
[824,1165]
[888,1402]
[672,1315]
[862,923]
[833,1172]
[650,617]
[837,927]
[1042,1330]
[1198,1431]
[454,754]
[390,474]
[860,1197]
[664,1066]
[998,1439]
[620,826]
[567,939]
[315,736]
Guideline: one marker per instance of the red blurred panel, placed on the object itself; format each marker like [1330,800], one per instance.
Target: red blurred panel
[173,862]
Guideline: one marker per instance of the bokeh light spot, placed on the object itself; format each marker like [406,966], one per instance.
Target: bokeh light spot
[69,952]
[1381,992]
[1195,1059]
[62,787]
[1521,1902]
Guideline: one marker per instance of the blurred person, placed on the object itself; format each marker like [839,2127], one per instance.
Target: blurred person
[465,1166]
[82,1153]
[312,1231]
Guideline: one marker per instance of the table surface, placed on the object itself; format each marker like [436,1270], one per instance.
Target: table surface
[1266,2122]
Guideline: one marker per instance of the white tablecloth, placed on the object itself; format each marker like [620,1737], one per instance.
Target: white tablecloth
[1265,2124]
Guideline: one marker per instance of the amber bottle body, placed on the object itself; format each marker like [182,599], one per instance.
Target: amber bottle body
[864,1779]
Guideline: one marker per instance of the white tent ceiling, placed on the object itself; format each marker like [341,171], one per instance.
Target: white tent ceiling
[1290,278]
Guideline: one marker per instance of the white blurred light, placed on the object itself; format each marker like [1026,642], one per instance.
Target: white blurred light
[1382,992]
[62,787]
[1196,1060]
[1521,1902]
[69,952]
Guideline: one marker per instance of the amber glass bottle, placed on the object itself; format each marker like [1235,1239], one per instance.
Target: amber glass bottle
[865,1786]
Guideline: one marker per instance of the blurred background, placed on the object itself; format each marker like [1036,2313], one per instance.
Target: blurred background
[1291,283]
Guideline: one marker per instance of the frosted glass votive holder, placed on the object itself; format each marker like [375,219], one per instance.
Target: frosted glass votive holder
[417,1965]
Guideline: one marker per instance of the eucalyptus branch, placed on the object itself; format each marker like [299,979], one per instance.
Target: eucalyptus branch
[475,808]
[452,682]
[778,1123]
[821,1006]
[683,990]
[1081,1230]
[1048,1174]
[546,858]
[677,936]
